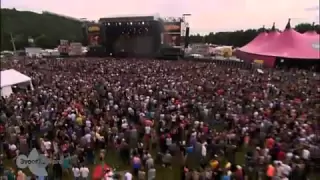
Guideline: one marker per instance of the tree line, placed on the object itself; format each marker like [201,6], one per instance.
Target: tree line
[46,30]
[242,37]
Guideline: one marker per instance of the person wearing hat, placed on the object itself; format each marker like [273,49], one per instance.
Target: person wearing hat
[228,165]
[214,164]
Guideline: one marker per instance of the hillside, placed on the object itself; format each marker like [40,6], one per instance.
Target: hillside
[46,29]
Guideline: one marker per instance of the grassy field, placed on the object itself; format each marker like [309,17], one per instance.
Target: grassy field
[112,158]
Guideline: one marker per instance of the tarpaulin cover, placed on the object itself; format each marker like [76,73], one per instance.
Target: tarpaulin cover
[288,44]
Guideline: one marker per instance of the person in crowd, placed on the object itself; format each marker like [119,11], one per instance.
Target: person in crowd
[76,172]
[128,176]
[84,172]
[151,172]
[141,174]
[197,112]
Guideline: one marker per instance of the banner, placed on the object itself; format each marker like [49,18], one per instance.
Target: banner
[257,61]
[63,47]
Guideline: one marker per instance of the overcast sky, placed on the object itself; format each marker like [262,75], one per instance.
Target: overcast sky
[207,15]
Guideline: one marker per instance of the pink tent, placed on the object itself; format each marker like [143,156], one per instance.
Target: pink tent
[288,44]
[259,45]
[256,42]
[311,34]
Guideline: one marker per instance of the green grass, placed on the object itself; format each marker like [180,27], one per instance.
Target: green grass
[112,158]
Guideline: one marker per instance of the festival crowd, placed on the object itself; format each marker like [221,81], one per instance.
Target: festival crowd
[204,121]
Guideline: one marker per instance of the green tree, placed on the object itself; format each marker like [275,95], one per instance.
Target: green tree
[42,41]
[304,27]
[240,38]
[46,29]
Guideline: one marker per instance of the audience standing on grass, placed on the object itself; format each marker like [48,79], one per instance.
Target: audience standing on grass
[214,122]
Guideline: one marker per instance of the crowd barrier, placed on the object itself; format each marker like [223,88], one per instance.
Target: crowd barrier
[225,62]
[218,62]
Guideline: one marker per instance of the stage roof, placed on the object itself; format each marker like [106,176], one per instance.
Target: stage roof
[127,19]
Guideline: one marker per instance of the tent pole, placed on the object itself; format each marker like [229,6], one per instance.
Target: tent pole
[13,45]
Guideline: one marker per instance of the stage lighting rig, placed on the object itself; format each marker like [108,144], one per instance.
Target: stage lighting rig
[172,19]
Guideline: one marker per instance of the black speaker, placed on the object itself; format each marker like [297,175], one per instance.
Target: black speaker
[85,34]
[103,37]
[186,38]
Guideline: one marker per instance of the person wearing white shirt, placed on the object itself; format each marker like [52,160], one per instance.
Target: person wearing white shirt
[13,149]
[128,176]
[305,154]
[147,130]
[84,171]
[47,145]
[76,173]
[204,150]
[286,170]
[88,137]
[168,141]
[88,123]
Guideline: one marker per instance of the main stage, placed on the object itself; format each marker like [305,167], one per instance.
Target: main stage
[139,36]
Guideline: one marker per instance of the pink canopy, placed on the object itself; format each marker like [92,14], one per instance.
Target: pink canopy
[256,42]
[312,34]
[259,43]
[288,44]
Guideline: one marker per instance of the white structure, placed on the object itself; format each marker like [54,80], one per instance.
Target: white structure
[75,49]
[33,51]
[50,52]
[202,49]
[11,78]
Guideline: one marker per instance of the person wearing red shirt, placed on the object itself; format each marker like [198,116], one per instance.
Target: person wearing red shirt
[281,155]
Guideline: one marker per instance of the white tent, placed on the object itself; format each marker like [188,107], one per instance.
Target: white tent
[10,78]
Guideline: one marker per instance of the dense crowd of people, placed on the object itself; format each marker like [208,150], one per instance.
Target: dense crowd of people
[199,117]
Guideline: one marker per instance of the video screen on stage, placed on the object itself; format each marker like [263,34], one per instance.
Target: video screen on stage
[172,33]
[172,39]
[94,35]
[172,27]
[93,39]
